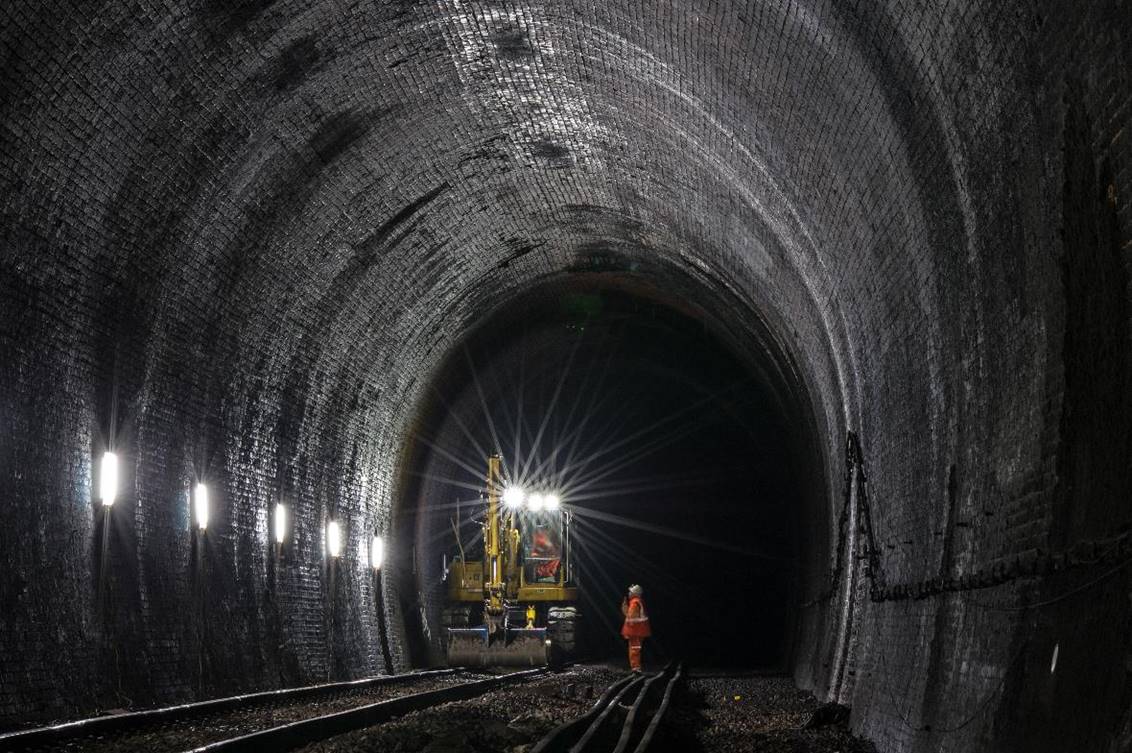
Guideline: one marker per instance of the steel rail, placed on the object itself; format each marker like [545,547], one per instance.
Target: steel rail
[588,736]
[562,735]
[296,734]
[665,701]
[116,723]
[583,734]
[631,718]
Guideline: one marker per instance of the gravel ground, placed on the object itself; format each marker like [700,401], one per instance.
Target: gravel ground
[508,720]
[194,732]
[756,715]
[712,713]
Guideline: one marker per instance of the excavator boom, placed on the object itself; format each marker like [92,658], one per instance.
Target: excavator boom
[496,643]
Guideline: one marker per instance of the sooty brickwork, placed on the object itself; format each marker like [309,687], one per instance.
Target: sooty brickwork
[238,239]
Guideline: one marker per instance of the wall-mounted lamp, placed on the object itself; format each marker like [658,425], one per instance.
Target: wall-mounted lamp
[377,552]
[333,539]
[108,478]
[280,523]
[200,505]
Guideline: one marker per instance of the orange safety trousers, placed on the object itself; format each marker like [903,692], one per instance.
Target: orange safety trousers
[635,653]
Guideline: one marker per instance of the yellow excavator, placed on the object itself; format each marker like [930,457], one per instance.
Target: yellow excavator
[517,605]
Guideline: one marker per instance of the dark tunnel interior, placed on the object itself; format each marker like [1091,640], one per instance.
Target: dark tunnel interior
[684,471]
[817,314]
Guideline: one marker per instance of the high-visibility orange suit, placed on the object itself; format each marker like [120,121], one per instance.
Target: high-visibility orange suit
[544,547]
[636,627]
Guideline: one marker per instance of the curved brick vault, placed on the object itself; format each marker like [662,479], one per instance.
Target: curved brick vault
[240,238]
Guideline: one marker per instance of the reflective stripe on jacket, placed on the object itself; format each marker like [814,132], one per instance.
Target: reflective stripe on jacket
[636,620]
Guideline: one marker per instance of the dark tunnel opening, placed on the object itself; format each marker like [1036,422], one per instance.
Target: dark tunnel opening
[684,470]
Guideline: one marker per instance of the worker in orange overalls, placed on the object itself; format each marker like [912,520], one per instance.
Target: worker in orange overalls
[636,627]
[543,548]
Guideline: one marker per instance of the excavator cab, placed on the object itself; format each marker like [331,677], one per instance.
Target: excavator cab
[516,605]
[542,553]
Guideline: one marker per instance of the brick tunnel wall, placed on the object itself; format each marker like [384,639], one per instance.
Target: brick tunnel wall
[238,238]
[1010,455]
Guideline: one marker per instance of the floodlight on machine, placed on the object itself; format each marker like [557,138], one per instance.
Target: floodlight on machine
[513,497]
[536,502]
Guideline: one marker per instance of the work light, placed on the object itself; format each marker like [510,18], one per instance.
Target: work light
[377,552]
[108,479]
[280,523]
[200,505]
[513,497]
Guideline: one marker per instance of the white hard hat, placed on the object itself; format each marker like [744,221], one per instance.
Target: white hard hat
[635,590]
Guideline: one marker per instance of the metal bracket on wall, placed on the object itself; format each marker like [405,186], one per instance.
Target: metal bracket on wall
[1115,549]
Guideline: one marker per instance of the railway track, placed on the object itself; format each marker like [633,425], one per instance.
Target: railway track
[273,720]
[625,718]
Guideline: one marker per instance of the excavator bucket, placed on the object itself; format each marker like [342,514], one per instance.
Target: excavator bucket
[512,647]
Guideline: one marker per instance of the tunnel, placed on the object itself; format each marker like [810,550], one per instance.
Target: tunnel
[815,313]
[574,385]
